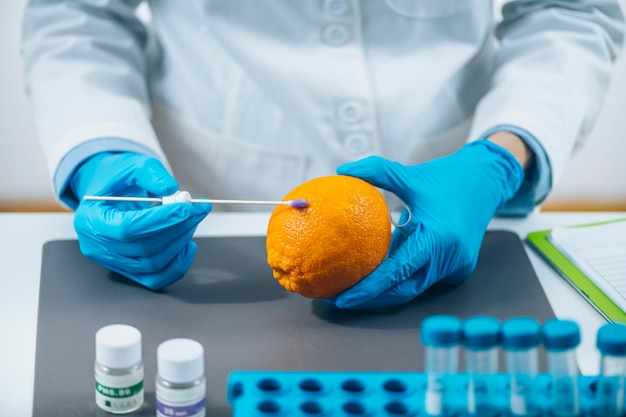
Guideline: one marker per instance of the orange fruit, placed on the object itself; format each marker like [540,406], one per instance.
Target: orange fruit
[330,245]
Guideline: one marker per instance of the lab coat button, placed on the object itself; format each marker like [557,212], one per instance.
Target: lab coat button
[336,7]
[350,111]
[336,34]
[356,143]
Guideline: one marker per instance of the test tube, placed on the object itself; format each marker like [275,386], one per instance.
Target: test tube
[481,338]
[560,339]
[440,335]
[611,342]
[520,340]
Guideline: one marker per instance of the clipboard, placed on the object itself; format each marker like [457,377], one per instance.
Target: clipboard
[540,242]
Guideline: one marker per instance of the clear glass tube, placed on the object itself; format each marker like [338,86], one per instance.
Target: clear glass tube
[522,366]
[440,363]
[564,372]
[610,391]
[482,366]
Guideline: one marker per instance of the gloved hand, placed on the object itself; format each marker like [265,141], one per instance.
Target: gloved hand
[150,245]
[451,199]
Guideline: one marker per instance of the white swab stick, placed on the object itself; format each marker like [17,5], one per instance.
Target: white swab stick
[112,198]
[183,196]
[292,203]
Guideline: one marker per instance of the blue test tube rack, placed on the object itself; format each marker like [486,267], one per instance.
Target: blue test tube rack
[389,394]
[380,394]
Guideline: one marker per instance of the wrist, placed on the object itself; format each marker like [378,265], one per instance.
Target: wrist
[500,169]
[83,175]
[515,145]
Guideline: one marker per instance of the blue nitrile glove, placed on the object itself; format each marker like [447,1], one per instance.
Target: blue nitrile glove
[451,199]
[150,245]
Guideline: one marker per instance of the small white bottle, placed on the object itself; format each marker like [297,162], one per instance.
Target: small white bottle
[119,369]
[180,382]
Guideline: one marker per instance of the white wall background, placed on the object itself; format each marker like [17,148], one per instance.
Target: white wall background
[598,171]
[23,172]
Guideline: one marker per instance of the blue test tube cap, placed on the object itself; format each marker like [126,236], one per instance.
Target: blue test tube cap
[520,333]
[481,332]
[441,331]
[559,335]
[611,339]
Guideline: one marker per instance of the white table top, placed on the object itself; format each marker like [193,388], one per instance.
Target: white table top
[23,235]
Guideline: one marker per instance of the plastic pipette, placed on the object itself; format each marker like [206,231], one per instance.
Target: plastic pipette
[185,197]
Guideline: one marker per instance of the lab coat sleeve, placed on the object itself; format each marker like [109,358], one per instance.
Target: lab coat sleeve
[537,178]
[85,71]
[552,70]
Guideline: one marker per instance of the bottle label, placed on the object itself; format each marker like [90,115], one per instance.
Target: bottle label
[119,399]
[165,409]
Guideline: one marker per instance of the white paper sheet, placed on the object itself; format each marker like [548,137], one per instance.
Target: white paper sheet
[600,253]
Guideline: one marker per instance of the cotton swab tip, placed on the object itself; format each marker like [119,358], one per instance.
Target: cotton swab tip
[299,203]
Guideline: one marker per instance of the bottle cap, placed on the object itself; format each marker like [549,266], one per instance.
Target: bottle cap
[611,339]
[441,331]
[118,346]
[560,335]
[520,333]
[180,360]
[481,332]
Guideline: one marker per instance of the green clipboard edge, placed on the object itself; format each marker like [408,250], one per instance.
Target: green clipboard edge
[540,242]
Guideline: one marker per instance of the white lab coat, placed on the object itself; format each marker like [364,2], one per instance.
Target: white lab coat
[248,98]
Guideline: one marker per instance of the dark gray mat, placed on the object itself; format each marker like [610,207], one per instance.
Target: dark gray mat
[231,304]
